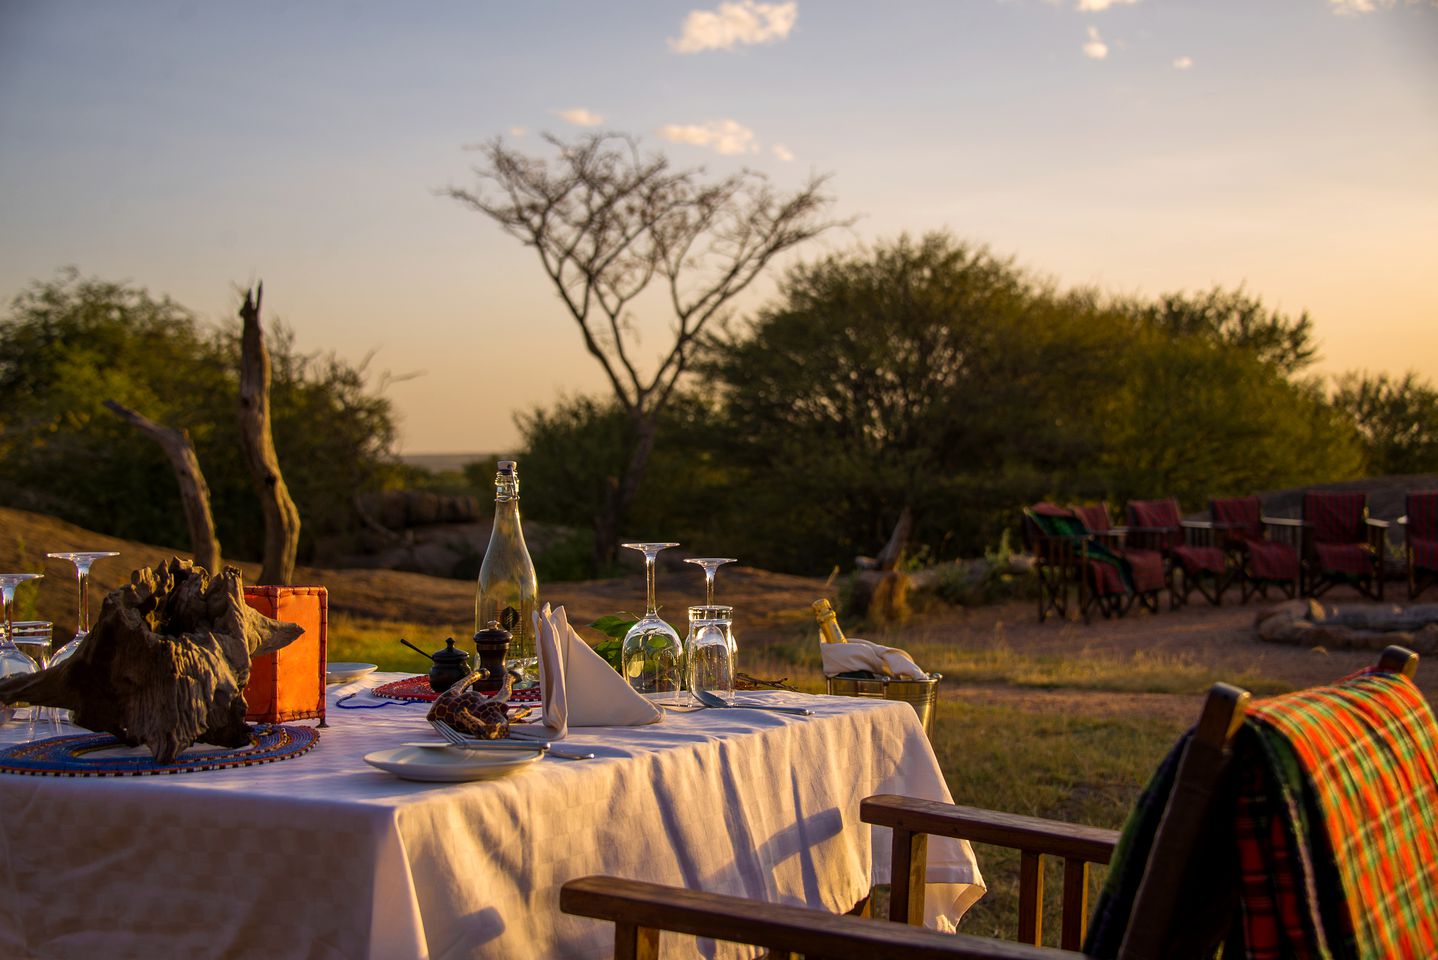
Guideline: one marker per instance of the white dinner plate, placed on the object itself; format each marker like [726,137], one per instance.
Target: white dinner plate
[451,766]
[347,672]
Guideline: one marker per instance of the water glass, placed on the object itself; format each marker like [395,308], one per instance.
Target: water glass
[709,651]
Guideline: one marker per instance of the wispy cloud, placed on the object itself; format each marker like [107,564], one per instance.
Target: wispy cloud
[1095,48]
[517,132]
[732,24]
[1351,8]
[783,152]
[1097,6]
[580,117]
[1182,63]
[728,137]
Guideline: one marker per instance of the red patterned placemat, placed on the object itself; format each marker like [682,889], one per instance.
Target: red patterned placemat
[74,756]
[417,688]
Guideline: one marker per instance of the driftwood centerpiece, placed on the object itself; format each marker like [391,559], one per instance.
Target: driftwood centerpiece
[165,665]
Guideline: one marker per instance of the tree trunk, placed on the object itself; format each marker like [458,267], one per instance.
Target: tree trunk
[893,551]
[620,492]
[282,518]
[194,492]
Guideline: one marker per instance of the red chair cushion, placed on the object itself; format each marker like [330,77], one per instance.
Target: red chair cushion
[1268,560]
[1200,559]
[1351,558]
[1094,516]
[1425,553]
[1336,517]
[1423,515]
[1159,514]
[1242,515]
[1147,569]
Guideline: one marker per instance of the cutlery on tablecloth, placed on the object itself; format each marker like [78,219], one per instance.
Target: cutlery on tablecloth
[456,739]
[710,700]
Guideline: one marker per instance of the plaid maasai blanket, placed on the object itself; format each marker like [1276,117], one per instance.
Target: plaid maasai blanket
[1334,830]
[1364,768]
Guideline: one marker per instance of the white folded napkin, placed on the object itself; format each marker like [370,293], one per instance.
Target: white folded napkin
[859,655]
[578,687]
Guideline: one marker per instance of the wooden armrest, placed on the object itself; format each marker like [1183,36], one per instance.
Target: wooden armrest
[638,910]
[1285,522]
[1203,525]
[1403,520]
[1380,524]
[1012,830]
[1152,529]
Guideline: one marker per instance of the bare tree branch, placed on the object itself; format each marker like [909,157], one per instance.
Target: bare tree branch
[607,221]
[194,492]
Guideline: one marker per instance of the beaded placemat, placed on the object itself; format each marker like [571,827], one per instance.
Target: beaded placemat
[418,689]
[74,756]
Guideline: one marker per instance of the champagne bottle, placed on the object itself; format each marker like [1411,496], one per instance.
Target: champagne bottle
[829,631]
[508,591]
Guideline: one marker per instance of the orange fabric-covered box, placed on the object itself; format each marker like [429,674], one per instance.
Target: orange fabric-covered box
[289,684]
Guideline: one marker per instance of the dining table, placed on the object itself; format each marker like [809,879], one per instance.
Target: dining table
[325,856]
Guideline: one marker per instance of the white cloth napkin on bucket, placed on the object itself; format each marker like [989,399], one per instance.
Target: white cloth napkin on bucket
[578,687]
[859,655]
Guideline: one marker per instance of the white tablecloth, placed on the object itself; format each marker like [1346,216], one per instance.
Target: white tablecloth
[323,856]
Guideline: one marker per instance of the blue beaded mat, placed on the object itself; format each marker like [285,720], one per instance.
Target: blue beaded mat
[72,756]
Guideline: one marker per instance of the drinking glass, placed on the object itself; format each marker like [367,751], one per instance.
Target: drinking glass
[652,655]
[32,638]
[82,559]
[709,650]
[12,661]
[710,565]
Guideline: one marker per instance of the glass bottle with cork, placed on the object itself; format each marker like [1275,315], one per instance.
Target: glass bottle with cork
[508,590]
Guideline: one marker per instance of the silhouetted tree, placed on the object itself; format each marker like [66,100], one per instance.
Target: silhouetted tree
[607,222]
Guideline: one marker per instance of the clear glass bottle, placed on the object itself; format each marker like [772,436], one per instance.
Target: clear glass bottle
[508,591]
[829,631]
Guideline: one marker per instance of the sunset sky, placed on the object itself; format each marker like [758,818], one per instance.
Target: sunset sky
[1144,146]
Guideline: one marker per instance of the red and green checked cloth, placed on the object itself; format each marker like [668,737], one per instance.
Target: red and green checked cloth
[1358,761]
[1330,830]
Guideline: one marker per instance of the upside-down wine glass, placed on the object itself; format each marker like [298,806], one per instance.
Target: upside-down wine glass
[710,565]
[82,559]
[12,661]
[652,655]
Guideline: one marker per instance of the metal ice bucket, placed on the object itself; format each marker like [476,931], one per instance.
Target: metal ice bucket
[922,695]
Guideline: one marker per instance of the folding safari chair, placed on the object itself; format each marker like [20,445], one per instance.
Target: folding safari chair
[1209,857]
[1263,550]
[1144,567]
[1056,541]
[1420,541]
[1188,547]
[1342,544]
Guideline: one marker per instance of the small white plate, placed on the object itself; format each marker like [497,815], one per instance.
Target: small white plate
[450,766]
[347,672]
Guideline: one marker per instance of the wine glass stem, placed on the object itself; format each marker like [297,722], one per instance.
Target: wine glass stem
[652,610]
[7,598]
[82,617]
[709,586]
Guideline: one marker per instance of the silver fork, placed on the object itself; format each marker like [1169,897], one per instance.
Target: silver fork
[459,739]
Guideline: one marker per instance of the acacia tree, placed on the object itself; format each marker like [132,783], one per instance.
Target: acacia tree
[607,222]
